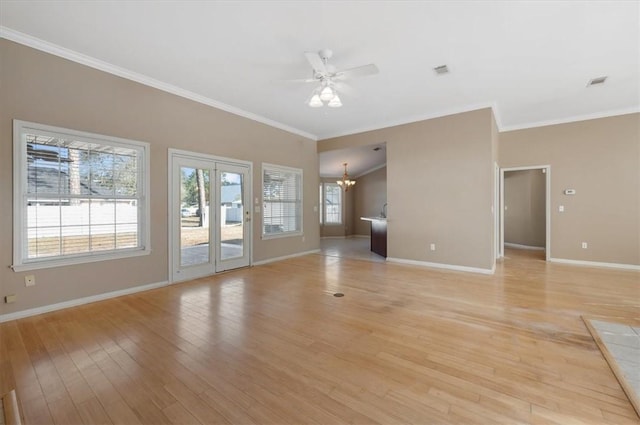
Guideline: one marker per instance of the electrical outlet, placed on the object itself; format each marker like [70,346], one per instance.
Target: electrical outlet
[29,280]
[10,299]
[432,247]
[584,245]
[561,208]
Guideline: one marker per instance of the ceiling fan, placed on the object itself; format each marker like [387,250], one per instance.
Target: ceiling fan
[327,75]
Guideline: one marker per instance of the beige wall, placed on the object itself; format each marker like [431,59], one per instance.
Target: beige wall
[370,194]
[600,159]
[525,207]
[46,89]
[439,187]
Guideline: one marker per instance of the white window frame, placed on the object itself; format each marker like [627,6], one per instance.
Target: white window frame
[265,167]
[21,262]
[324,205]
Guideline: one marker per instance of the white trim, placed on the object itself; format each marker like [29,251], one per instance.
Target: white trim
[442,266]
[519,246]
[79,301]
[547,170]
[200,156]
[412,119]
[568,120]
[275,167]
[212,162]
[370,170]
[92,62]
[495,209]
[281,235]
[346,237]
[596,264]
[21,262]
[81,259]
[285,257]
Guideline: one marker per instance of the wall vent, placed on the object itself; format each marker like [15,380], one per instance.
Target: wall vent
[442,69]
[596,81]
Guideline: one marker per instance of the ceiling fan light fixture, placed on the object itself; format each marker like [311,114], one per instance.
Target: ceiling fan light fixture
[315,101]
[327,93]
[335,102]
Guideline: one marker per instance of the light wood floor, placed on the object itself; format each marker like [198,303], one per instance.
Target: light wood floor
[270,344]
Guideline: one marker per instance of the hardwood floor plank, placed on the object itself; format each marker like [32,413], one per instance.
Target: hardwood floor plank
[271,345]
[92,412]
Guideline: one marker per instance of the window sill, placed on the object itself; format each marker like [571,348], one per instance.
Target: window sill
[282,235]
[47,264]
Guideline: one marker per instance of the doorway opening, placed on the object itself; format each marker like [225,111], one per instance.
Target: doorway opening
[525,208]
[209,214]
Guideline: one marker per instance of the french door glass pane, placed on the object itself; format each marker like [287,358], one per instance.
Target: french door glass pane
[231,215]
[194,216]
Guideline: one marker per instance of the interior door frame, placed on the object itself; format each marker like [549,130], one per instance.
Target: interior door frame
[174,154]
[547,170]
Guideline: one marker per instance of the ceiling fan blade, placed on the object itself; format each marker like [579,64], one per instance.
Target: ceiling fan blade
[301,80]
[316,62]
[344,88]
[359,71]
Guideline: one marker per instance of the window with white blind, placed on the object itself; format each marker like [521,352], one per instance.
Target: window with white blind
[281,201]
[332,203]
[78,197]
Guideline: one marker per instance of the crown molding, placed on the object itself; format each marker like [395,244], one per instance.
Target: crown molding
[100,65]
[92,62]
[370,170]
[415,118]
[568,120]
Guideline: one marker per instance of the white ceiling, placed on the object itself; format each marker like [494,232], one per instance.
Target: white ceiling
[530,60]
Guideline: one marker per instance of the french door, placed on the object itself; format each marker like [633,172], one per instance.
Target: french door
[210,215]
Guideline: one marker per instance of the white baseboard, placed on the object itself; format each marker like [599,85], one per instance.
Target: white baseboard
[79,301]
[285,257]
[346,237]
[442,266]
[519,246]
[595,264]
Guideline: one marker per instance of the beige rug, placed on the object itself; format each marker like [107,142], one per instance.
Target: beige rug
[620,346]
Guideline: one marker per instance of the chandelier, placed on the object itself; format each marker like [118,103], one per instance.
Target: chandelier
[326,93]
[346,182]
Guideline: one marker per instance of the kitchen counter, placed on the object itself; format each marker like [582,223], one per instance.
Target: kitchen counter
[378,234]
[373,218]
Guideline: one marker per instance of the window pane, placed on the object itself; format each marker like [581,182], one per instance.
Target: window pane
[81,196]
[333,204]
[103,211]
[103,237]
[282,195]
[74,212]
[75,240]
[125,174]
